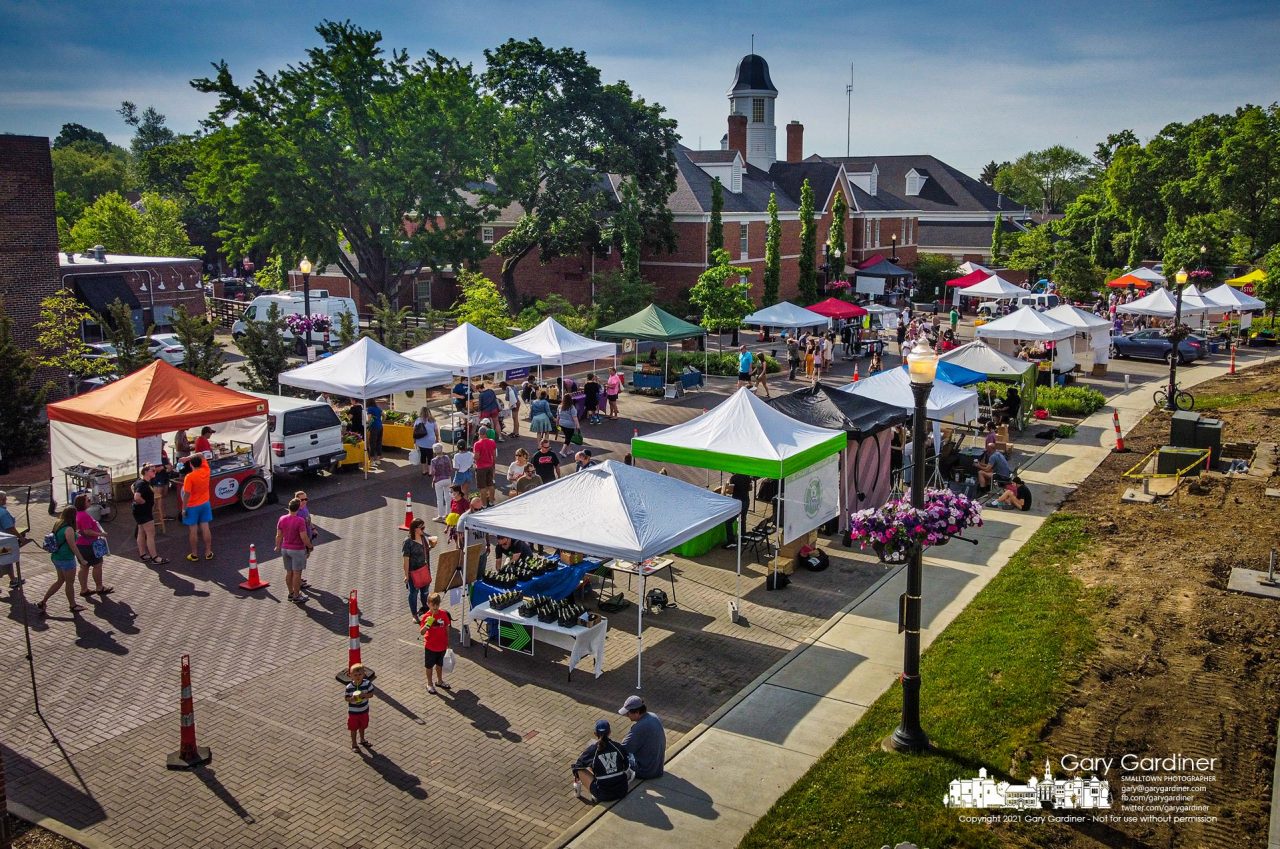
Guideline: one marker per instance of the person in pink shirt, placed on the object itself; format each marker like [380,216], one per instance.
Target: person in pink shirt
[612,389]
[87,531]
[293,541]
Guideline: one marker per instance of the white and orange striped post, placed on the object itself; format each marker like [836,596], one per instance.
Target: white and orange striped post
[353,641]
[1115,419]
[189,755]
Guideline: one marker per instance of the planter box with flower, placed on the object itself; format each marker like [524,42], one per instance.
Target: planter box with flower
[891,530]
[353,445]
[397,430]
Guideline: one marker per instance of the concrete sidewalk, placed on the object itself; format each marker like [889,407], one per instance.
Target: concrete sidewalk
[725,774]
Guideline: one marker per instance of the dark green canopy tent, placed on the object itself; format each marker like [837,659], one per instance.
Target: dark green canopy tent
[652,324]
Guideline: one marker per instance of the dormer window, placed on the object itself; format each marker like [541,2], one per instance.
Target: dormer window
[875,179]
[915,181]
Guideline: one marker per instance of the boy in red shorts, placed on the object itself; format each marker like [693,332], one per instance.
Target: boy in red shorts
[358,704]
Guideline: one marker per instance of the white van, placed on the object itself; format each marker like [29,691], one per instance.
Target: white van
[306,436]
[291,303]
[1040,303]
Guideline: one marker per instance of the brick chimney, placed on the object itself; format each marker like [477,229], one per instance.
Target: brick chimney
[738,134]
[795,141]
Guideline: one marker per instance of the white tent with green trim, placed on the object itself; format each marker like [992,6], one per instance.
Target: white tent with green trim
[742,435]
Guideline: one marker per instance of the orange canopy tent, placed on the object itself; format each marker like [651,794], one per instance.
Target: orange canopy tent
[1127,280]
[121,424]
[154,400]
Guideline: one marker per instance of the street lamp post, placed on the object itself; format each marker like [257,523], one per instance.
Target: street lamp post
[894,240]
[922,367]
[305,268]
[1175,337]
[836,253]
[826,265]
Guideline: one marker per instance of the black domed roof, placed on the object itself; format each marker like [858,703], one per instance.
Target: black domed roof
[753,75]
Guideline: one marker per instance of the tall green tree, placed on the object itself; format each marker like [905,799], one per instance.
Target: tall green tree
[1032,252]
[772,254]
[990,170]
[722,294]
[266,350]
[480,303]
[59,343]
[1268,290]
[1074,274]
[389,326]
[628,229]
[84,172]
[998,255]
[808,285]
[131,354]
[562,131]
[330,157]
[715,229]
[203,356]
[618,296]
[1047,179]
[839,215]
[156,229]
[21,401]
[81,136]
[932,273]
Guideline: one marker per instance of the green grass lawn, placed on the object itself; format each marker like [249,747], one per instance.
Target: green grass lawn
[991,681]
[1222,401]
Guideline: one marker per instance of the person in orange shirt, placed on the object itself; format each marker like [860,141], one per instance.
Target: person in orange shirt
[197,512]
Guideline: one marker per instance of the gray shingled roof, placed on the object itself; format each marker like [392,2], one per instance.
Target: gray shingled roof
[966,234]
[693,188]
[711,156]
[946,190]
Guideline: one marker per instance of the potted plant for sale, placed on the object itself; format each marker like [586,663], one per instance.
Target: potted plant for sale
[891,530]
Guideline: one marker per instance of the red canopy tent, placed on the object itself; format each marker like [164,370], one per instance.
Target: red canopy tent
[1127,280]
[867,263]
[971,279]
[835,308]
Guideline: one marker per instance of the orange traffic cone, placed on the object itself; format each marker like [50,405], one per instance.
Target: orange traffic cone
[189,755]
[856,378]
[408,511]
[1119,449]
[255,582]
[353,645]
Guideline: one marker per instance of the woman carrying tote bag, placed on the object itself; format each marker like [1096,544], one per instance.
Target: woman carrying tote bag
[416,560]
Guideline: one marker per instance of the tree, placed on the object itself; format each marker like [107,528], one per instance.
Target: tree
[932,273]
[266,351]
[1074,274]
[131,354]
[480,303]
[562,131]
[59,342]
[1268,290]
[990,170]
[1199,244]
[78,134]
[389,326]
[808,286]
[579,319]
[347,329]
[1032,252]
[150,131]
[1046,179]
[331,157]
[83,172]
[839,214]
[154,230]
[21,402]
[628,229]
[772,255]
[722,294]
[997,241]
[715,229]
[203,356]
[618,296]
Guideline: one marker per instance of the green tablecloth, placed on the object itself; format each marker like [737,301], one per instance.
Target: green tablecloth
[702,543]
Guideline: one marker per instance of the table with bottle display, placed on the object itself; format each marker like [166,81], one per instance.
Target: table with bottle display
[529,602]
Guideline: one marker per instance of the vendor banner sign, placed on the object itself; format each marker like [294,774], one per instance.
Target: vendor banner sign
[811,498]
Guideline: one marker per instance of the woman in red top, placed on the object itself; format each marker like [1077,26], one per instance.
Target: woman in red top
[435,632]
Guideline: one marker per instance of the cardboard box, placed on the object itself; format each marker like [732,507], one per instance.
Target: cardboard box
[786,560]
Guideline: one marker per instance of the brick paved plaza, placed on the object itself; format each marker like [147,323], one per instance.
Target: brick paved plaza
[485,764]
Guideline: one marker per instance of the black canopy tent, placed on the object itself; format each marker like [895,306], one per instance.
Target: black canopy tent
[866,477]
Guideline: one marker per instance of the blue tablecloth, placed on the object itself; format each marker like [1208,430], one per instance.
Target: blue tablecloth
[558,584]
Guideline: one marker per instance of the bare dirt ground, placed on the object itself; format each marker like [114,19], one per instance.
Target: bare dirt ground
[1182,665]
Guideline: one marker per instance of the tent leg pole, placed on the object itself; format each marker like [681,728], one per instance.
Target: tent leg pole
[364,417]
[640,628]
[735,605]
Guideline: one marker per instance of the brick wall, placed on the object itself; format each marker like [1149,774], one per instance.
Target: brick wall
[28,234]
[146,282]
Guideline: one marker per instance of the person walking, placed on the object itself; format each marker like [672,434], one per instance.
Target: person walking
[612,389]
[527,481]
[541,416]
[516,468]
[603,765]
[762,377]
[197,513]
[426,433]
[486,459]
[434,628]
[88,532]
[144,515]
[441,469]
[464,473]
[793,358]
[513,407]
[65,558]
[646,741]
[415,554]
[568,421]
[745,364]
[373,425]
[545,462]
[954,318]
[294,544]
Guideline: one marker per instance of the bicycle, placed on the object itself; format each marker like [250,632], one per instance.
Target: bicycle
[1182,399]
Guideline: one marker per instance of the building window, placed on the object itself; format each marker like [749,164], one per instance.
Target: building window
[866,232]
[877,242]
[486,235]
[757,110]
[742,240]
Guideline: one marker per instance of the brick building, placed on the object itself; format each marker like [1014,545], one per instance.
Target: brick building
[151,286]
[28,231]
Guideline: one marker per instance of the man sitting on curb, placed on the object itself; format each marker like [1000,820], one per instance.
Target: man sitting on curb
[646,742]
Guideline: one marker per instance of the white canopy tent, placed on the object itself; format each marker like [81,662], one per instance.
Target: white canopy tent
[994,287]
[364,370]
[946,402]
[557,345]
[1148,274]
[970,267]
[786,315]
[981,357]
[1031,325]
[609,510]
[469,351]
[1231,299]
[1095,327]
[1162,303]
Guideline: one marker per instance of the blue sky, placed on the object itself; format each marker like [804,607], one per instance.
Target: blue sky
[965,81]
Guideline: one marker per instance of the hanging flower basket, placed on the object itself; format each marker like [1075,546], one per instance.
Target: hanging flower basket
[298,324]
[891,530]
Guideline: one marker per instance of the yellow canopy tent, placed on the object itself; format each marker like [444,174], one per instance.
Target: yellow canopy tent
[1255,276]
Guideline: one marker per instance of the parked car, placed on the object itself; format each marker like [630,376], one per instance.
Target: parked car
[995,309]
[165,346]
[1155,345]
[306,436]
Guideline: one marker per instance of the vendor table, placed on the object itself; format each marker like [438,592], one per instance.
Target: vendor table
[647,568]
[580,640]
[702,543]
[559,584]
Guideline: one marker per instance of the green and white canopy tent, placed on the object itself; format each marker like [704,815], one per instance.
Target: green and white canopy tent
[653,324]
[981,357]
[743,435]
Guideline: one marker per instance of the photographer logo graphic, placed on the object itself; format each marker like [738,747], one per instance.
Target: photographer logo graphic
[1077,793]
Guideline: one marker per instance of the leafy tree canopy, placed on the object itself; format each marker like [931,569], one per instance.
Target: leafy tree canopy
[203,356]
[562,132]
[20,401]
[772,255]
[480,303]
[932,273]
[154,229]
[131,354]
[266,351]
[83,172]
[59,344]
[355,156]
[808,284]
[78,134]
[722,294]
[1046,180]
